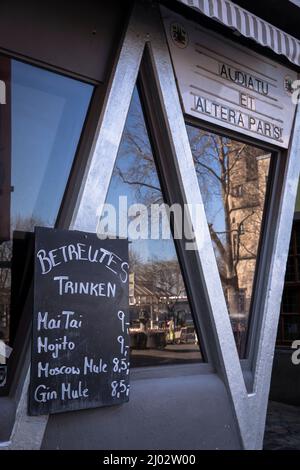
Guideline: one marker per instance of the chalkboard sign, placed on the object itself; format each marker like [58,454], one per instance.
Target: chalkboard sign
[80,340]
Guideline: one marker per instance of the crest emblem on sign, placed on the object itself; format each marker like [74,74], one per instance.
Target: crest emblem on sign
[2,92]
[179,35]
[288,85]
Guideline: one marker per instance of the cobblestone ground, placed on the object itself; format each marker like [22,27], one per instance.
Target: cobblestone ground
[282,427]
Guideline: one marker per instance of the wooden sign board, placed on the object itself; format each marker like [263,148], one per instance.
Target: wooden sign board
[229,85]
[80,340]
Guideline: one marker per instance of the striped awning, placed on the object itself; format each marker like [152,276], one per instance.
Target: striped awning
[250,26]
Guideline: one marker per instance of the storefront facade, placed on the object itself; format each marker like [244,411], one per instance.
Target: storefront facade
[158,103]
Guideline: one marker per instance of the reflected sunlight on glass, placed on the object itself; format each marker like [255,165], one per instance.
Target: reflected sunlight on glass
[233,179]
[44,120]
[162,330]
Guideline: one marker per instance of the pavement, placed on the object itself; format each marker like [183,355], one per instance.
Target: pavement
[282,427]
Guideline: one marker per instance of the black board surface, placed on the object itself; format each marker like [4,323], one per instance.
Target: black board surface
[80,340]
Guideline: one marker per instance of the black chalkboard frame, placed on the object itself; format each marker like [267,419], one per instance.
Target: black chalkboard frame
[105,388]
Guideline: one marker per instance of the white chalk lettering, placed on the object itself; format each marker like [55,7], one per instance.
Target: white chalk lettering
[42,394]
[80,252]
[44,370]
[124,273]
[65,321]
[61,344]
[71,322]
[89,366]
[68,393]
[101,289]
[45,324]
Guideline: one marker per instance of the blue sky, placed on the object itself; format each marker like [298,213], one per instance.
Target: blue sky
[48,111]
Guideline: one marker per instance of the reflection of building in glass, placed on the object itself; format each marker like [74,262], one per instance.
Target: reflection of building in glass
[246,204]
[232,177]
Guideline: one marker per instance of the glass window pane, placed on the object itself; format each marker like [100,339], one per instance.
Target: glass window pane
[290,274]
[291,327]
[292,245]
[162,330]
[233,178]
[48,111]
[290,306]
[297,235]
[41,124]
[291,300]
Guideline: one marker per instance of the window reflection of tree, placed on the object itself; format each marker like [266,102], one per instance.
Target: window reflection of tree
[232,177]
[222,165]
[160,298]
